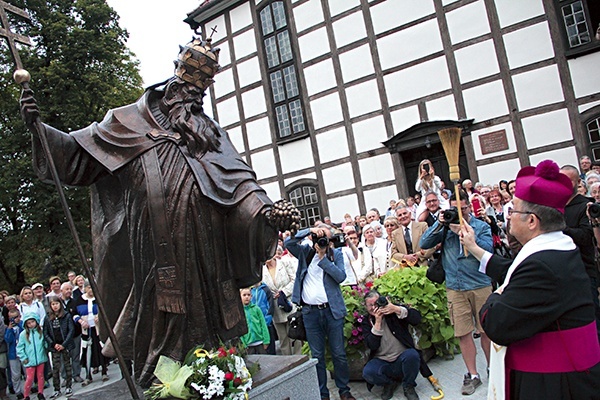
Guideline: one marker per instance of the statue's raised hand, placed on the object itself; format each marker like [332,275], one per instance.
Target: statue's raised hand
[29,108]
[284,216]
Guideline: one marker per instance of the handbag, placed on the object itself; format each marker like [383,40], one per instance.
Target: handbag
[283,302]
[296,330]
[435,271]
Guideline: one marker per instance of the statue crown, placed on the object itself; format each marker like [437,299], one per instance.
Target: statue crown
[197,62]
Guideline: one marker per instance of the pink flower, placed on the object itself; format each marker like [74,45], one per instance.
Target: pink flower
[355,314]
[229,376]
[354,332]
[360,320]
[232,350]
[222,352]
[359,329]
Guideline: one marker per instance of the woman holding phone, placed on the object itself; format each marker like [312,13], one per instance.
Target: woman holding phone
[427,182]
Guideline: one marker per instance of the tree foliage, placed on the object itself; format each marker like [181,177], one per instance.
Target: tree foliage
[80,68]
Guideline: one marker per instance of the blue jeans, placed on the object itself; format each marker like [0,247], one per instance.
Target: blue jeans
[405,368]
[320,326]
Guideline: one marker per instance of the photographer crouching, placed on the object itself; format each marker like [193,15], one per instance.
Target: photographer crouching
[393,359]
[317,289]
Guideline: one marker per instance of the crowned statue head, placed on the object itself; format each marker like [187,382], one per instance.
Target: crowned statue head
[197,62]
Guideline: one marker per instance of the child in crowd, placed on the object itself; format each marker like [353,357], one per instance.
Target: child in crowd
[32,351]
[11,337]
[58,333]
[257,339]
[263,298]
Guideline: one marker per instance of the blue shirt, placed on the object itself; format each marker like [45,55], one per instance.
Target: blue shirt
[462,273]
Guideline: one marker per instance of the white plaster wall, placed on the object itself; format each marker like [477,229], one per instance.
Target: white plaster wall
[545,129]
[221,31]
[236,137]
[259,133]
[446,2]
[418,81]
[363,98]
[510,136]
[272,190]
[307,15]
[476,61]
[442,108]
[584,74]
[485,101]
[207,105]
[313,44]
[376,169]
[244,44]
[341,205]
[409,44]
[228,112]
[249,72]
[333,145]
[509,13]
[319,77]
[393,13]
[349,29]
[587,106]
[405,118]
[240,17]
[224,56]
[263,164]
[254,102]
[339,6]
[369,133]
[567,155]
[224,83]
[380,197]
[296,155]
[338,178]
[538,87]
[467,22]
[494,173]
[326,110]
[528,45]
[289,181]
[356,63]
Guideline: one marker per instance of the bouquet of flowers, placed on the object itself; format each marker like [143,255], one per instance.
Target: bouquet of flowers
[217,374]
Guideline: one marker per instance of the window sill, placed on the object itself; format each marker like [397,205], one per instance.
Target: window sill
[293,138]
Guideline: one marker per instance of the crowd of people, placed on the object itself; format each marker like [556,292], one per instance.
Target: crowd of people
[49,332]
[414,231]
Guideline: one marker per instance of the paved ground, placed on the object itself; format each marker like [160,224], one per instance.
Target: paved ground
[449,374]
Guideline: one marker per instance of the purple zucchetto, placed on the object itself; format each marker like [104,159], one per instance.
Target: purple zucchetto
[544,185]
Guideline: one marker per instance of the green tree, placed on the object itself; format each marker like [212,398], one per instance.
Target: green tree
[80,68]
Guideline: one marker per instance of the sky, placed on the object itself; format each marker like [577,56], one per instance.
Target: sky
[156,29]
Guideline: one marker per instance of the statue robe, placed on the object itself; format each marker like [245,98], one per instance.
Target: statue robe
[215,212]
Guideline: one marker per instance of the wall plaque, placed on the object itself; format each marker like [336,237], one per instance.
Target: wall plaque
[493,142]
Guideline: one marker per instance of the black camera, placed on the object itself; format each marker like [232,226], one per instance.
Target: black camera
[594,210]
[12,320]
[451,216]
[381,301]
[337,239]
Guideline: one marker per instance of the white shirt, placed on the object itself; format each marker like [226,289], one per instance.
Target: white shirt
[313,289]
[348,260]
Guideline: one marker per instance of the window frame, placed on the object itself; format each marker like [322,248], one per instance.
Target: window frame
[592,24]
[302,185]
[290,99]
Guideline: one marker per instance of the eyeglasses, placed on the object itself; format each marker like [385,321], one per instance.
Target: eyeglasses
[512,211]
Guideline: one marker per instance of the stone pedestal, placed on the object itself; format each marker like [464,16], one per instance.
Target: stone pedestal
[284,378]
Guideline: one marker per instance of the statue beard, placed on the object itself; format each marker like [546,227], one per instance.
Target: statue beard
[186,116]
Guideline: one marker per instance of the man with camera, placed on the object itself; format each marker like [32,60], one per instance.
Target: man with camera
[317,289]
[467,289]
[393,359]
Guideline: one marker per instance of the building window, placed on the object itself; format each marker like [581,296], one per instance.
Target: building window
[306,200]
[579,21]
[283,76]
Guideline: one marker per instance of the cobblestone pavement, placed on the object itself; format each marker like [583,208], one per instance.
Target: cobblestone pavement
[448,372]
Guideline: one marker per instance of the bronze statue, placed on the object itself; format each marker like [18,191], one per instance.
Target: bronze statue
[179,222]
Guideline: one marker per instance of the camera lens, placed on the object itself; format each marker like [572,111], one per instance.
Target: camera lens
[594,210]
[323,241]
